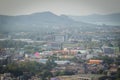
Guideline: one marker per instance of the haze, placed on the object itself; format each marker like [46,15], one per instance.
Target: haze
[68,7]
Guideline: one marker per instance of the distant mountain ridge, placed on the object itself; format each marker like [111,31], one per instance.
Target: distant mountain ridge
[109,19]
[36,21]
[49,22]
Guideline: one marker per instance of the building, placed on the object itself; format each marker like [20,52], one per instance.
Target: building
[4,57]
[108,50]
[59,38]
[95,61]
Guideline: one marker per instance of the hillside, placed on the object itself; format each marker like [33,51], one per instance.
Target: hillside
[36,22]
[108,19]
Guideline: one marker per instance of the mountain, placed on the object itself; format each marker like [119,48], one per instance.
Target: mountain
[109,19]
[37,22]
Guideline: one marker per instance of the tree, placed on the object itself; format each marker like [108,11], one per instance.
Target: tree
[79,52]
[76,59]
[50,63]
[46,74]
[29,68]
[118,73]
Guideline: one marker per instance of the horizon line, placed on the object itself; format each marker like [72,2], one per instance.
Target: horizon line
[58,14]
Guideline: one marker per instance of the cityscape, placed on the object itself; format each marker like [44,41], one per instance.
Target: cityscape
[46,45]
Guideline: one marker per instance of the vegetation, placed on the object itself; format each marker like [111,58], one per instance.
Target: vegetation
[28,69]
[64,72]
[12,44]
[76,60]
[118,74]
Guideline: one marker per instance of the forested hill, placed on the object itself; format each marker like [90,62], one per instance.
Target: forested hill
[108,19]
[36,22]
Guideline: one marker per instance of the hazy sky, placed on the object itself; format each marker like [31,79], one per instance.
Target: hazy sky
[68,7]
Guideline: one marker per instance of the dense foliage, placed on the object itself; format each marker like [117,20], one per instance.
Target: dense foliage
[12,44]
[29,69]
